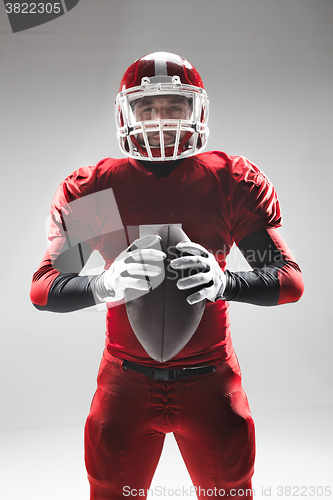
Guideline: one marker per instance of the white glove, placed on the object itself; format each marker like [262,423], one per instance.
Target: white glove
[209,273]
[127,268]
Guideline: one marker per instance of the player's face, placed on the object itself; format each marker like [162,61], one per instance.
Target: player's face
[162,108]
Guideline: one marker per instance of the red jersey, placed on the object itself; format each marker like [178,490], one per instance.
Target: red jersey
[217,199]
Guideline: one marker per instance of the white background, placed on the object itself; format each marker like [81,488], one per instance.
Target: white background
[267,68]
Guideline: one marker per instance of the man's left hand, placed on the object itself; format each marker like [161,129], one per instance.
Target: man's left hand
[209,272]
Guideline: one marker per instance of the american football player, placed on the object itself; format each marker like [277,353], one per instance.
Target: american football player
[116,208]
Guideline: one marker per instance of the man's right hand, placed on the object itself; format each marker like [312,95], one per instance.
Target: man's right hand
[131,269]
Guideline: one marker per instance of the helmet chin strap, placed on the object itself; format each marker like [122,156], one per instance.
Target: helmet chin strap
[157,150]
[185,140]
[137,145]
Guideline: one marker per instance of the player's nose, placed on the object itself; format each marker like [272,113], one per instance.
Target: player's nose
[161,113]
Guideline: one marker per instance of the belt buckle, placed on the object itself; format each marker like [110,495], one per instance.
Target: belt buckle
[163,374]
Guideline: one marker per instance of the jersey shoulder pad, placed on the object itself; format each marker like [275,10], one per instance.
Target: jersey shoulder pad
[85,180]
[241,169]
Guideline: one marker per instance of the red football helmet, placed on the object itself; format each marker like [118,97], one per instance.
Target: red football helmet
[161,109]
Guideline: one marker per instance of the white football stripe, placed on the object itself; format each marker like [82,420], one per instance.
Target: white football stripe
[161,65]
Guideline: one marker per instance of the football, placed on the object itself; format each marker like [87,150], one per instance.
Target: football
[162,319]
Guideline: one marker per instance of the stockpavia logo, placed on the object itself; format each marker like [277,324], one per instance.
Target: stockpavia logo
[26,15]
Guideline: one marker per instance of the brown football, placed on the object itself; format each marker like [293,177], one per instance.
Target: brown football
[162,319]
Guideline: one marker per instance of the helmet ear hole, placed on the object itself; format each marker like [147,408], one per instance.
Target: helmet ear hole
[156,76]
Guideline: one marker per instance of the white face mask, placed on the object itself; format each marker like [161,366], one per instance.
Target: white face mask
[162,121]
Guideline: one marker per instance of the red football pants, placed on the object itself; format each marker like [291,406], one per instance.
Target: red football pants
[130,414]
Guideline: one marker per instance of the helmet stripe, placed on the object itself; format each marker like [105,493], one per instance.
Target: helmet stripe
[161,64]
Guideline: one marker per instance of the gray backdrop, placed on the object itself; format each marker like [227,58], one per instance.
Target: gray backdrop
[267,68]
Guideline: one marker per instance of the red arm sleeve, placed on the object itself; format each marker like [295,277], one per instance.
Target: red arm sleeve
[276,277]
[289,275]
[56,285]
[45,275]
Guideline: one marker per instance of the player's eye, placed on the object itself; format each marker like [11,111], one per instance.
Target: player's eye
[174,108]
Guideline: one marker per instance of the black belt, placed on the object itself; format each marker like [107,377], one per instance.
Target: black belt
[167,373]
